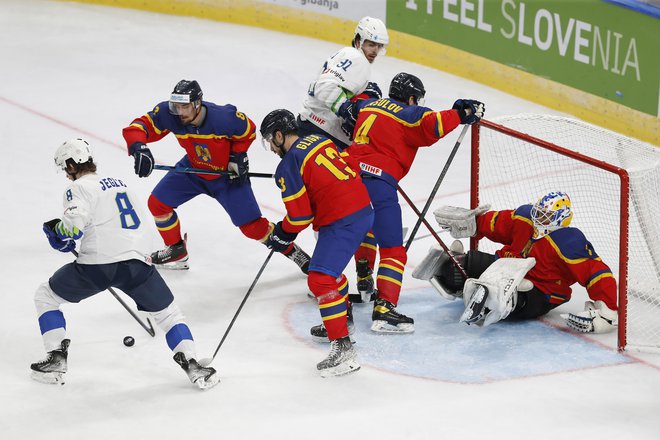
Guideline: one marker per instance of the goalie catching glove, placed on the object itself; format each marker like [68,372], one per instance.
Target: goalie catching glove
[460,222]
[280,240]
[596,318]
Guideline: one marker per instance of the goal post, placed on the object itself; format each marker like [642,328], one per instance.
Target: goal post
[614,185]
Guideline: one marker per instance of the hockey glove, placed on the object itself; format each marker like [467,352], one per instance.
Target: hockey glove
[596,318]
[57,243]
[144,160]
[373,91]
[280,240]
[348,112]
[469,110]
[460,222]
[240,166]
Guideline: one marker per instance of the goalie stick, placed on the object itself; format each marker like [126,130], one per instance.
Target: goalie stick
[202,171]
[432,231]
[149,329]
[435,189]
[207,361]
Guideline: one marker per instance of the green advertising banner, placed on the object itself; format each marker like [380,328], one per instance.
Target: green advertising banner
[591,45]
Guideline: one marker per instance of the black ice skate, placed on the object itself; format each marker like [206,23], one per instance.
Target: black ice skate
[52,369]
[299,257]
[341,360]
[365,283]
[320,334]
[203,377]
[476,309]
[387,320]
[172,257]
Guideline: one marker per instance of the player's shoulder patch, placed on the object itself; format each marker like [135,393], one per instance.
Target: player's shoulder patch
[572,243]
[524,211]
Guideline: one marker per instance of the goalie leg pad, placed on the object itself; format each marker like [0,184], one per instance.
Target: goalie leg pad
[501,279]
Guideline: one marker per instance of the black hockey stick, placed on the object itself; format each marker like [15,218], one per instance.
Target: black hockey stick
[207,361]
[432,231]
[436,187]
[149,329]
[202,171]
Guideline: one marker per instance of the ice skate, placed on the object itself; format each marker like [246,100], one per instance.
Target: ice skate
[476,308]
[203,377]
[172,257]
[365,283]
[341,360]
[387,320]
[320,334]
[52,369]
[299,257]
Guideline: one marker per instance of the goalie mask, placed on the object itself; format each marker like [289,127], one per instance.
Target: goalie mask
[551,212]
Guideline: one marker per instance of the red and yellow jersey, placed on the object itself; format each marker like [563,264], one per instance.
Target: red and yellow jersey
[224,130]
[563,257]
[388,134]
[318,186]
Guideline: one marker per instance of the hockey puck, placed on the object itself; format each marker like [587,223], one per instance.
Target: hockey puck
[129,341]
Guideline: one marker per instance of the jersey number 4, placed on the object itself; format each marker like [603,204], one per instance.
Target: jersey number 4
[127,215]
[328,158]
[362,134]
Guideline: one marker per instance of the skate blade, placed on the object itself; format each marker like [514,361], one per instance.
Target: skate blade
[342,369]
[379,326]
[325,340]
[208,382]
[53,378]
[174,265]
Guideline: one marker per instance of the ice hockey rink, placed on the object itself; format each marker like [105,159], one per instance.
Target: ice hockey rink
[72,70]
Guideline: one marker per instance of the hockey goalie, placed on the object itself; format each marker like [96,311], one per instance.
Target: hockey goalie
[541,258]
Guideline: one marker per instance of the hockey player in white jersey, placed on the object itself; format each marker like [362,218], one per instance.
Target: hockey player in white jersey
[344,76]
[101,213]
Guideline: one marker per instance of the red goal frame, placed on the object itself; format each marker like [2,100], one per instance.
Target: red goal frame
[624,202]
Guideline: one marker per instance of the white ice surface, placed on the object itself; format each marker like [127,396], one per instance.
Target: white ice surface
[78,70]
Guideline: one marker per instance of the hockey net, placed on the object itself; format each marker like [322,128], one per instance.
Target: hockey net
[614,185]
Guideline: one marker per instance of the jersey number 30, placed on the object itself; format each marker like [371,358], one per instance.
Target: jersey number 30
[127,215]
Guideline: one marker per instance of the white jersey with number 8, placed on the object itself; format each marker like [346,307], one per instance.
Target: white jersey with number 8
[111,219]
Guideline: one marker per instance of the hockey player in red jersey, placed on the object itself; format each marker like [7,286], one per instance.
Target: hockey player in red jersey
[320,188]
[387,134]
[543,256]
[215,137]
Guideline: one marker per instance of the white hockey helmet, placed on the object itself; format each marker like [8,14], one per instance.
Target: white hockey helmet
[372,29]
[78,150]
[551,212]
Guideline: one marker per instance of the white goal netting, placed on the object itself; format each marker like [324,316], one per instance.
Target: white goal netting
[514,170]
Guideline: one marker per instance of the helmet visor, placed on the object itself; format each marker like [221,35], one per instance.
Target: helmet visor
[266,140]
